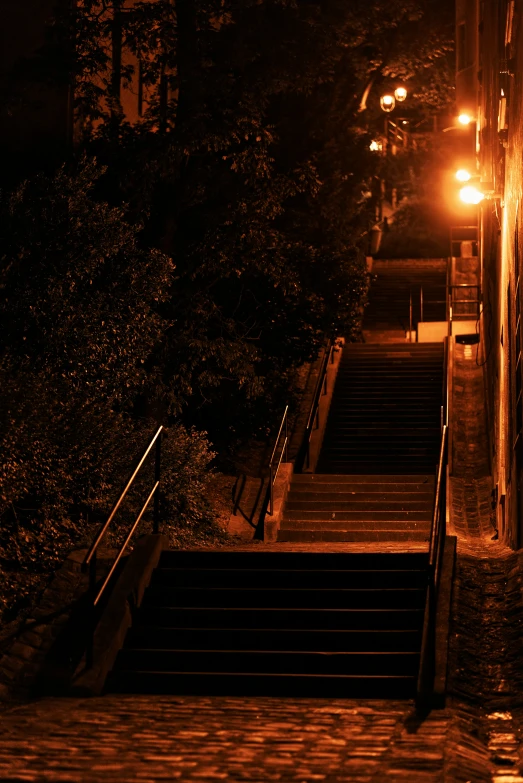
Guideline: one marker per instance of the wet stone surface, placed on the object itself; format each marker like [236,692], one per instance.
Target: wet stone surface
[168,738]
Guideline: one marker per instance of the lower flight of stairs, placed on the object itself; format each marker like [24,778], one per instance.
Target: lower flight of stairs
[325,507]
[277,623]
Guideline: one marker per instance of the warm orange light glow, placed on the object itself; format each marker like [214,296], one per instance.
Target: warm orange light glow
[376,146]
[471,195]
[387,102]
[463,175]
[400,93]
[464,119]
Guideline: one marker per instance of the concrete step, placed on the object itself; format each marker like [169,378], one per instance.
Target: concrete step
[338,504]
[361,518]
[268,661]
[364,494]
[241,578]
[254,597]
[159,638]
[381,686]
[315,535]
[341,523]
[397,479]
[283,618]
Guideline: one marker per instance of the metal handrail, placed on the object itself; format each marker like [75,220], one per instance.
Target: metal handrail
[438,527]
[90,559]
[313,421]
[410,315]
[284,450]
[436,546]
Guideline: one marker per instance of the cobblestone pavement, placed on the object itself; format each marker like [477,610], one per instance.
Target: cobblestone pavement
[168,738]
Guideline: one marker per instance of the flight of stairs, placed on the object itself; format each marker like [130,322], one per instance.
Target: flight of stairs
[388,305]
[326,507]
[385,414]
[277,623]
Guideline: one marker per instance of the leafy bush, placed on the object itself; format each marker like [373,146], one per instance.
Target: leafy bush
[79,318]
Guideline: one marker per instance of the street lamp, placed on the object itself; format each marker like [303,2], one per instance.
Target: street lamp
[462,175]
[400,93]
[471,195]
[465,119]
[476,191]
[387,102]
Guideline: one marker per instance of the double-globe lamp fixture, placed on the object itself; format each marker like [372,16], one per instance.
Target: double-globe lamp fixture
[388,101]
[475,191]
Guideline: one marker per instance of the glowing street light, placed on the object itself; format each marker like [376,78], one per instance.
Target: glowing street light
[471,195]
[387,102]
[400,93]
[465,119]
[462,175]
[376,146]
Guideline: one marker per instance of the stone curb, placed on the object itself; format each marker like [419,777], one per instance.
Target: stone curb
[126,596]
[21,665]
[272,522]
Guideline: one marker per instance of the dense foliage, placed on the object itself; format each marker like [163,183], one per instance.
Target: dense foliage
[79,317]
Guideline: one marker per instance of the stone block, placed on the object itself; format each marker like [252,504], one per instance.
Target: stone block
[116,618]
[272,521]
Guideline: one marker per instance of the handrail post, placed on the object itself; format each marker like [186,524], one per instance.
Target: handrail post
[271,492]
[421,303]
[157,472]
[410,315]
[89,652]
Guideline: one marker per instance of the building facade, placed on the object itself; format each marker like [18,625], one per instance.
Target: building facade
[489,85]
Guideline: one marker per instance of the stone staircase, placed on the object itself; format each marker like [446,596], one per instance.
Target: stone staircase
[385,415]
[326,507]
[313,623]
[277,623]
[375,476]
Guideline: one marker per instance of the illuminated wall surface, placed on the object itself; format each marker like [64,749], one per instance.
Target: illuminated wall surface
[485,74]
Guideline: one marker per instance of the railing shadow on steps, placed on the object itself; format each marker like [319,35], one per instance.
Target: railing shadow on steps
[426,695]
[89,564]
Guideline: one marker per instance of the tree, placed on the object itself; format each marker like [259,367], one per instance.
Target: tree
[80,315]
[248,165]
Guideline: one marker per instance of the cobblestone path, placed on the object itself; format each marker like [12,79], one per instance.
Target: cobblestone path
[203,739]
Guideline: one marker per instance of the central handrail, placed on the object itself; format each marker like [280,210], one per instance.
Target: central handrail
[284,450]
[320,389]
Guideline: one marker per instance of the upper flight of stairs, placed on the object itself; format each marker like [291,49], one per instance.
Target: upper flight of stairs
[385,414]
[278,623]
[388,306]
